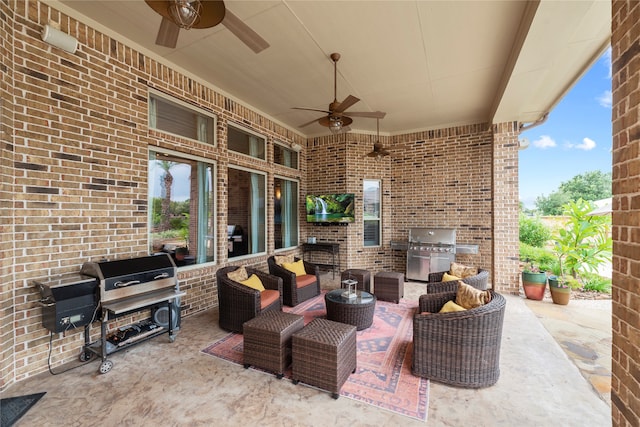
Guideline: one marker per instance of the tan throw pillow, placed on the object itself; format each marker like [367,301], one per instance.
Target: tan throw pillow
[462,271]
[238,275]
[450,307]
[470,297]
[281,259]
[446,277]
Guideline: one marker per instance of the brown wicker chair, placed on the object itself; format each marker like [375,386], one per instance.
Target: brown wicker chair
[293,292]
[238,303]
[459,348]
[435,284]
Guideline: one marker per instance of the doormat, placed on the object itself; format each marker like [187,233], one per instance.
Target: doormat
[12,408]
[383,377]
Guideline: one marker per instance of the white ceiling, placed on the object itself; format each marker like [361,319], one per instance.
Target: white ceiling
[427,64]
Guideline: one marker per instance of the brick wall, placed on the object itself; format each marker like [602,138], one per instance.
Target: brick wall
[506,248]
[625,56]
[7,332]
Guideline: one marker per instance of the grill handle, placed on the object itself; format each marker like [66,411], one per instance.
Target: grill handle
[161,276]
[124,284]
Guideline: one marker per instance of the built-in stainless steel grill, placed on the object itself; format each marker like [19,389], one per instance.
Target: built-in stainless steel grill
[430,250]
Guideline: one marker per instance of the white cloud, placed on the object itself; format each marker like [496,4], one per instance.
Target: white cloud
[587,144]
[605,99]
[544,142]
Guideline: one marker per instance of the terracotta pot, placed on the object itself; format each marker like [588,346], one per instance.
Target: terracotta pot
[559,295]
[534,285]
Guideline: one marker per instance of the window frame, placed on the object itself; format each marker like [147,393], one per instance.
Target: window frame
[214,191]
[297,212]
[264,176]
[366,218]
[187,106]
[248,131]
[283,146]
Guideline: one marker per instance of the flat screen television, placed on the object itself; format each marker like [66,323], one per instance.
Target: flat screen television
[330,208]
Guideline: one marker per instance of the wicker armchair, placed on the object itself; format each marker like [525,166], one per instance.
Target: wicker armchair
[459,348]
[238,303]
[296,289]
[435,284]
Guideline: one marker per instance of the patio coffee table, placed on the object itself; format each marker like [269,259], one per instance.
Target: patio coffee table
[356,311]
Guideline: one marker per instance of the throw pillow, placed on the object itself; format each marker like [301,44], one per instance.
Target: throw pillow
[450,307]
[462,271]
[470,297]
[295,267]
[238,275]
[281,259]
[446,277]
[254,282]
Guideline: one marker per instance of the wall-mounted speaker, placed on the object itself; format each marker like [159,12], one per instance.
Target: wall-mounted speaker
[160,315]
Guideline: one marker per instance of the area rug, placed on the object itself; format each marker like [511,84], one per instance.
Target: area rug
[13,408]
[383,377]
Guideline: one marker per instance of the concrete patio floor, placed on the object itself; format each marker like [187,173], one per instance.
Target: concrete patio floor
[175,384]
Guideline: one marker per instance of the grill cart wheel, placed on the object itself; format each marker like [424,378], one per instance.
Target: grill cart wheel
[106,366]
[85,356]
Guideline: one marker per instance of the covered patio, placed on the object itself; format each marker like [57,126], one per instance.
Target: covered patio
[457,81]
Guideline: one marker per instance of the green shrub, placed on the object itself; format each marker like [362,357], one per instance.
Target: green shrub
[533,232]
[593,282]
[541,257]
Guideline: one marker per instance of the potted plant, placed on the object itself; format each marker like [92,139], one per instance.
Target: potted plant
[534,282]
[560,290]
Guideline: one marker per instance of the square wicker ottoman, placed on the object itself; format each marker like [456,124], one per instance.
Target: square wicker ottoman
[388,286]
[363,277]
[267,340]
[324,355]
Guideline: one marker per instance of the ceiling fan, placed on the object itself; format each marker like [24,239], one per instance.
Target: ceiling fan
[187,14]
[336,119]
[378,149]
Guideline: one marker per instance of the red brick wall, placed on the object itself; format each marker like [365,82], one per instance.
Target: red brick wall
[7,332]
[625,56]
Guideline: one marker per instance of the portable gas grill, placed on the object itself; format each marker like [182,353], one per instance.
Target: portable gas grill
[130,285]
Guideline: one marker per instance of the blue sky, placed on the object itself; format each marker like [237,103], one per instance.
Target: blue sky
[576,138]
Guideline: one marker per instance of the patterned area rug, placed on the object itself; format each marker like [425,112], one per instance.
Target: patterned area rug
[383,377]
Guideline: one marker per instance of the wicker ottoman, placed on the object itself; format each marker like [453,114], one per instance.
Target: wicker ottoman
[267,340]
[363,277]
[324,355]
[389,286]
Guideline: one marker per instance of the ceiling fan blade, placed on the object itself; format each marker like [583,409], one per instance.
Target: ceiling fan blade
[167,33]
[348,102]
[311,109]
[308,123]
[373,114]
[244,33]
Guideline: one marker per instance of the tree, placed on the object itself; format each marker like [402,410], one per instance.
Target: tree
[585,242]
[590,186]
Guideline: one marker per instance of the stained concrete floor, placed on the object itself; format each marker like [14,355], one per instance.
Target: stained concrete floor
[174,384]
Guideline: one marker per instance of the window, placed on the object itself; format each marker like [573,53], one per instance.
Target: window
[182,119]
[285,156]
[285,202]
[371,208]
[182,207]
[246,142]
[246,214]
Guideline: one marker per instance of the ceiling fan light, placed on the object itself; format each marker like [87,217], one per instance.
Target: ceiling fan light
[335,125]
[185,13]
